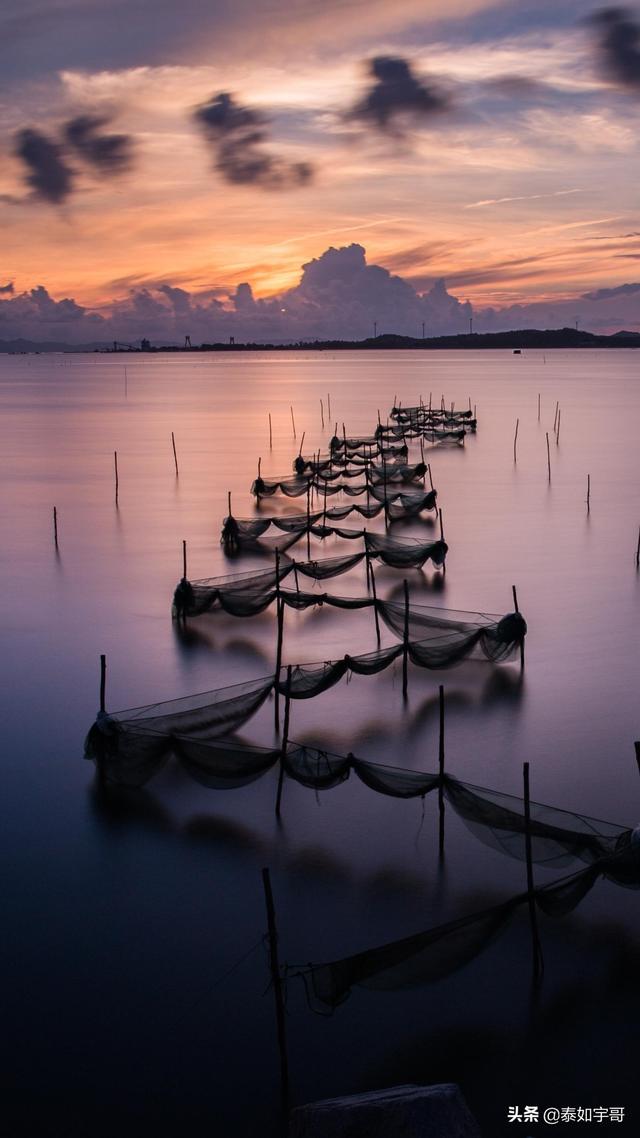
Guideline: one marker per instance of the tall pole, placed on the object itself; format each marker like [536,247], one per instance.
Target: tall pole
[375,601]
[441,774]
[173,443]
[285,740]
[280,634]
[55,528]
[516,609]
[276,981]
[103,682]
[115,466]
[405,643]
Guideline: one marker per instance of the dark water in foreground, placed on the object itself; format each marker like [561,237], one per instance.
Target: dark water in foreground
[125,920]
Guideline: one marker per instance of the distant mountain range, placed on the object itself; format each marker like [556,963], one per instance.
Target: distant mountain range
[525,338]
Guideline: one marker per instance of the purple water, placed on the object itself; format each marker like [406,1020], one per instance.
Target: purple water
[124,918]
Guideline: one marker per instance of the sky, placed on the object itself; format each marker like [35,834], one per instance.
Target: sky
[278,171]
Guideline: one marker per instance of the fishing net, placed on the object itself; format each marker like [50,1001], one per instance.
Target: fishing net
[251,593]
[429,956]
[237,532]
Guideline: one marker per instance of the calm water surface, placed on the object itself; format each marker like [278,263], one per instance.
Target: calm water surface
[124,919]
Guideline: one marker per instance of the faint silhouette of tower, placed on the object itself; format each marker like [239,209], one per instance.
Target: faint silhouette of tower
[187,341]
[375,329]
[423,329]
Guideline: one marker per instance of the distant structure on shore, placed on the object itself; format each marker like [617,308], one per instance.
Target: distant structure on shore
[515,341]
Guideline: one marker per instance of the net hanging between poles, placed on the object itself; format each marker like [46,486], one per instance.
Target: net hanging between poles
[429,956]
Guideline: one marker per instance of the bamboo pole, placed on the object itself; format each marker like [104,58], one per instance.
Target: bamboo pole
[441,525]
[638,552]
[375,602]
[533,916]
[276,983]
[285,740]
[441,774]
[515,605]
[322,414]
[302,443]
[588,492]
[538,407]
[555,417]
[279,638]
[55,528]
[515,442]
[270,434]
[430,476]
[308,521]
[548,457]
[558,428]
[293,423]
[115,466]
[175,457]
[405,643]
[103,682]
[329,406]
[184,560]
[637,749]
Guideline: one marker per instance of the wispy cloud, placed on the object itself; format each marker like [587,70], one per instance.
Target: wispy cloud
[522,198]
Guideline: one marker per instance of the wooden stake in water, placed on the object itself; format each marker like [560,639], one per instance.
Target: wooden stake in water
[441,525]
[637,749]
[270,434]
[115,465]
[515,606]
[175,457]
[638,552]
[293,423]
[441,774]
[515,442]
[329,406]
[555,417]
[285,740]
[276,983]
[548,456]
[103,682]
[558,428]
[322,414]
[302,442]
[184,560]
[375,602]
[533,916]
[55,528]
[405,643]
[588,492]
[430,476]
[280,634]
[538,407]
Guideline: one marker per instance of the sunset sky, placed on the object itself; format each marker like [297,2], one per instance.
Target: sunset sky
[205,144]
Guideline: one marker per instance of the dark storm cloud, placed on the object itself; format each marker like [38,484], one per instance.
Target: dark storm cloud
[619,42]
[109,153]
[238,135]
[47,171]
[606,293]
[396,92]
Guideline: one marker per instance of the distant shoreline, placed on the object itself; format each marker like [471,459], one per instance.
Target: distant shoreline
[514,341]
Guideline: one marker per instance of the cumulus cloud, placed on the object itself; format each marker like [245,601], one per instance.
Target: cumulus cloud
[607,293]
[48,174]
[7,290]
[339,296]
[619,42]
[396,93]
[109,153]
[237,135]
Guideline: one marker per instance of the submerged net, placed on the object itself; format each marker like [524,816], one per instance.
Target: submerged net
[146,735]
[429,956]
[251,593]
